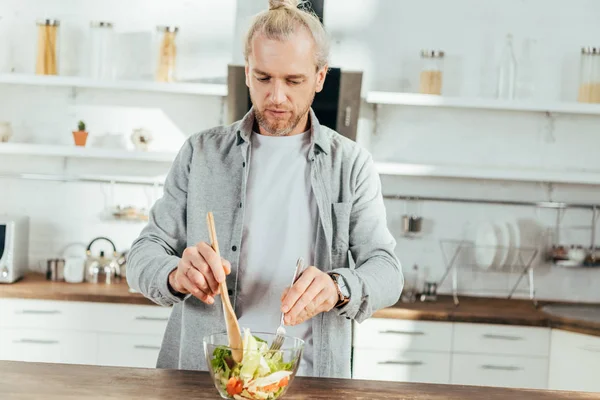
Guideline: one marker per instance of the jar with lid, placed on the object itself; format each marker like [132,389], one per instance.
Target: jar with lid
[432,69]
[167,53]
[102,52]
[47,47]
[589,75]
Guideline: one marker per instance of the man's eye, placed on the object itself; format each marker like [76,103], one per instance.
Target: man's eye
[294,82]
[263,79]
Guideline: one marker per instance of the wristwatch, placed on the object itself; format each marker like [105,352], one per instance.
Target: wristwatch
[342,290]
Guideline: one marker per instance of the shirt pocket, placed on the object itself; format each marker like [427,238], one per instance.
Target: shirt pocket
[341,227]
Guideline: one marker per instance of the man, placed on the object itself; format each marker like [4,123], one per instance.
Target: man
[280,187]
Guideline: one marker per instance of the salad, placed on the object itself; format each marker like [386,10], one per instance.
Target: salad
[262,374]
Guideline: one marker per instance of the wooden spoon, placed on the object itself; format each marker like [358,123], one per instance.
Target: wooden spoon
[233,328]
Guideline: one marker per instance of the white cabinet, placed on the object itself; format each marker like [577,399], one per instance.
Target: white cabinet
[400,350]
[574,362]
[47,346]
[503,371]
[128,350]
[501,339]
[81,332]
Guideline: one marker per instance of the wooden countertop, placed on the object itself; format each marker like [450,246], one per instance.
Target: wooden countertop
[35,286]
[24,381]
[470,309]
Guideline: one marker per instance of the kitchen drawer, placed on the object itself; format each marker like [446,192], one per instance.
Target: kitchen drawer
[379,333]
[128,350]
[401,366]
[504,371]
[135,319]
[54,346]
[574,362]
[46,314]
[501,339]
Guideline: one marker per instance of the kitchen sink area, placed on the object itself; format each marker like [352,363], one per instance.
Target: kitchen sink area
[583,312]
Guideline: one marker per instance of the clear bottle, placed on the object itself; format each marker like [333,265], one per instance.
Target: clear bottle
[47,47]
[507,73]
[432,71]
[526,73]
[589,75]
[167,53]
[102,53]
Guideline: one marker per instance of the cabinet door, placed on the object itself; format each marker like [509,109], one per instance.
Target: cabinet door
[501,371]
[401,366]
[128,350]
[380,333]
[574,362]
[501,339]
[48,346]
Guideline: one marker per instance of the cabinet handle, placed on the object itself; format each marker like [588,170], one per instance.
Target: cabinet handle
[409,363]
[38,312]
[590,348]
[146,347]
[36,341]
[144,318]
[501,367]
[393,332]
[348,117]
[501,337]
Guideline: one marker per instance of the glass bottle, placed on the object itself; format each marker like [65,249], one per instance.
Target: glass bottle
[526,73]
[167,53]
[589,75]
[432,71]
[507,73]
[102,54]
[47,47]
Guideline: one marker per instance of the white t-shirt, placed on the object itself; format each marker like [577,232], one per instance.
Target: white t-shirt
[280,225]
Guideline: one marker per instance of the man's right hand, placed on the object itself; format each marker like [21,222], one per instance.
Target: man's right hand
[199,272]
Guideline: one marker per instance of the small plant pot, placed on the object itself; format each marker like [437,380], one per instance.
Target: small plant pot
[80,137]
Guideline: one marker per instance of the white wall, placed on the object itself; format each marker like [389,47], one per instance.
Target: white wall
[383,38]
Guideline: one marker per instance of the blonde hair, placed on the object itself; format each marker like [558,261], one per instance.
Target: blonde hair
[282,19]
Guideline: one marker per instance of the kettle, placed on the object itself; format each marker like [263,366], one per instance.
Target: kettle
[101,269]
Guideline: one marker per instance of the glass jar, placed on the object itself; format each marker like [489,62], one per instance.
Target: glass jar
[102,52]
[47,47]
[432,68]
[589,75]
[167,53]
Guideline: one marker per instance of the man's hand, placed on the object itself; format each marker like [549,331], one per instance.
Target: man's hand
[313,293]
[199,272]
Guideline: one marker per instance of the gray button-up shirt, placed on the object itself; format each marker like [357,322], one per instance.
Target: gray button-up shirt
[210,174]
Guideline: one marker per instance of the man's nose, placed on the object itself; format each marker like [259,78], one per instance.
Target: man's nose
[278,95]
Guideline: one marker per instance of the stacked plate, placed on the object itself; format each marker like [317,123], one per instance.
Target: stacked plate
[497,245]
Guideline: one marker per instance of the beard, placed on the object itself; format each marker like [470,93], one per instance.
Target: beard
[280,127]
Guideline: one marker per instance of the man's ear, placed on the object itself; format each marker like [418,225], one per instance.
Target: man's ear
[321,75]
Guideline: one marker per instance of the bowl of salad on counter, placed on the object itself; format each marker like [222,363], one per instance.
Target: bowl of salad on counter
[262,374]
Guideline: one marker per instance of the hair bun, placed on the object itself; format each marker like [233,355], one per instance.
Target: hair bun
[277,4]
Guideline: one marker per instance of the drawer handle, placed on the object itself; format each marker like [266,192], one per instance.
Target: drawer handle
[146,347]
[36,341]
[144,318]
[39,312]
[590,348]
[412,333]
[501,337]
[501,367]
[409,363]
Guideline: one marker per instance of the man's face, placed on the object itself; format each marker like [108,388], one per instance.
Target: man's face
[283,80]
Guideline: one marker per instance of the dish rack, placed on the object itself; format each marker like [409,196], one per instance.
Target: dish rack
[459,259]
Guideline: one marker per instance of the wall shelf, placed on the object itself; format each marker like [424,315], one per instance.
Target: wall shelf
[44,150]
[487,173]
[206,89]
[421,100]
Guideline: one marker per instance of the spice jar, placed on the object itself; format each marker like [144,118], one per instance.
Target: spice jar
[589,75]
[102,52]
[167,53]
[431,72]
[47,47]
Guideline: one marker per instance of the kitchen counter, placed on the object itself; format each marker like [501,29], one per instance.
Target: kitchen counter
[35,286]
[471,309]
[23,381]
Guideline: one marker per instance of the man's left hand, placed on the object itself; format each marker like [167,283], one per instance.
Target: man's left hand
[313,293]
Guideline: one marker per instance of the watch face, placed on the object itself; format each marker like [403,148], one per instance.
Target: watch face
[343,288]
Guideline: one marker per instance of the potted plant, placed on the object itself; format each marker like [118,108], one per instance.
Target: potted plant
[80,135]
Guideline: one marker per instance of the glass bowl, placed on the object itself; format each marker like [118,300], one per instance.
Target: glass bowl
[262,375]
